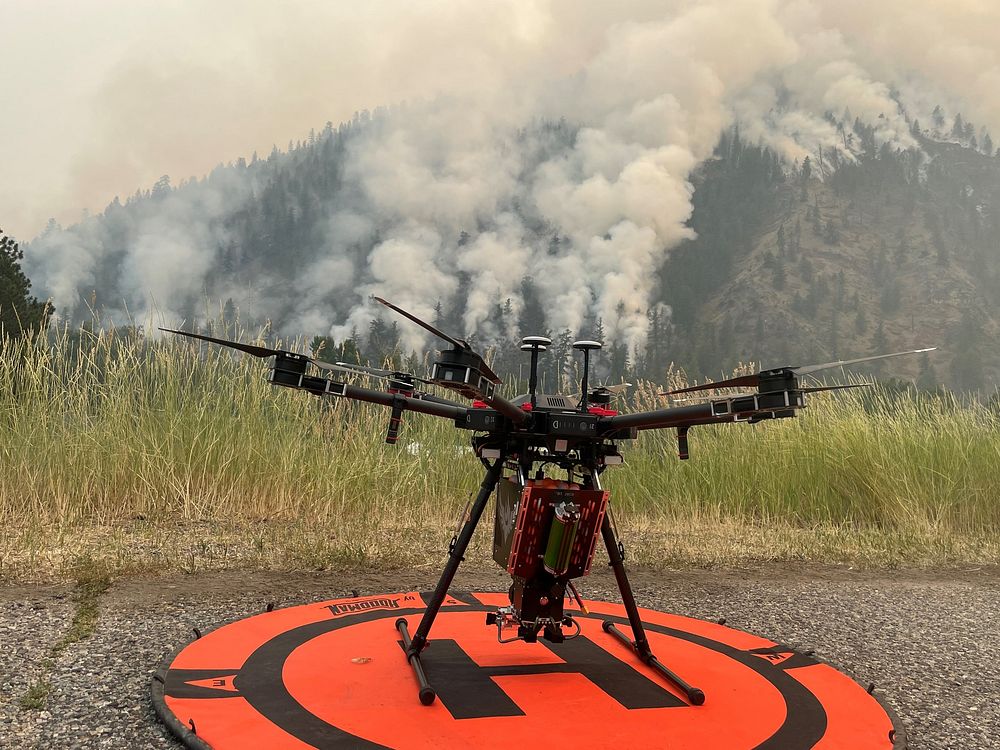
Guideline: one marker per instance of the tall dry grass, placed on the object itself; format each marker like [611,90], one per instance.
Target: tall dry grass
[102,430]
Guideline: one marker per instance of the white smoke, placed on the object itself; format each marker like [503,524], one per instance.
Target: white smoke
[448,182]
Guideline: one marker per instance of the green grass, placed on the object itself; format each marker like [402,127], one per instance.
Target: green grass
[92,580]
[152,455]
[36,697]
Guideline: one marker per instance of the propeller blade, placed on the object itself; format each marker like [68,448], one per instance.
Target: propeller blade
[712,398]
[746,394]
[251,349]
[350,367]
[754,380]
[614,389]
[377,372]
[488,372]
[817,389]
[750,381]
[254,350]
[808,369]
[331,368]
[457,343]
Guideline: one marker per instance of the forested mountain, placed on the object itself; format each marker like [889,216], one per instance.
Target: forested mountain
[890,251]
[863,249]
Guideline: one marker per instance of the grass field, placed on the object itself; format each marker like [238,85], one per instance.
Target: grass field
[173,456]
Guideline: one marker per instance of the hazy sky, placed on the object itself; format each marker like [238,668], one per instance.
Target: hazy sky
[104,96]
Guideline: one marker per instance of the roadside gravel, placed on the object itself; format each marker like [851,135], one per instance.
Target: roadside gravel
[929,641]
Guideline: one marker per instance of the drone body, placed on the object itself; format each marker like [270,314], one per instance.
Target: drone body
[546,529]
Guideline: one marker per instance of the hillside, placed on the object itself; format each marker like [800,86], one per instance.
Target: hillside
[863,249]
[890,253]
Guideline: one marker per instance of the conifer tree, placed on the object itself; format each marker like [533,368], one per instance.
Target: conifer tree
[19,311]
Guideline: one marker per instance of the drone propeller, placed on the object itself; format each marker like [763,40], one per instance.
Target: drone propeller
[377,372]
[252,349]
[747,394]
[613,391]
[809,369]
[753,380]
[818,389]
[257,351]
[458,344]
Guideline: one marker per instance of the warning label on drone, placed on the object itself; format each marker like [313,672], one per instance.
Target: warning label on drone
[301,678]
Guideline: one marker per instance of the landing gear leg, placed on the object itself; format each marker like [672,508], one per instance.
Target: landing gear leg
[456,554]
[640,645]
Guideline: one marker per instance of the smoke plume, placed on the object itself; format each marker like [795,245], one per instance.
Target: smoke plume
[453,178]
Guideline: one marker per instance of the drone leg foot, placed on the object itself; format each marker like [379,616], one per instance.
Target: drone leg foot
[695,695]
[426,692]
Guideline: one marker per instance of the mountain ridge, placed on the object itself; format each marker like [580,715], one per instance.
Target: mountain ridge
[889,250]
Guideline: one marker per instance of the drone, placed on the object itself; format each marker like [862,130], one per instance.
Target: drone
[546,530]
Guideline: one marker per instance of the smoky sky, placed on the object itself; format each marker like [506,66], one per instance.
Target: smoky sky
[104,98]
[101,98]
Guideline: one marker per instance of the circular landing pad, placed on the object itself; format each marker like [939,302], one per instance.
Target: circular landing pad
[333,675]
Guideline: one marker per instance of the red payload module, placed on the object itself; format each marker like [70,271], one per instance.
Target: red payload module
[543,516]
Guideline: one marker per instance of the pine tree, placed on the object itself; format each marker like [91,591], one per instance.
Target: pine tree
[861,322]
[229,313]
[937,117]
[830,233]
[780,277]
[162,187]
[532,320]
[880,343]
[927,378]
[958,129]
[19,311]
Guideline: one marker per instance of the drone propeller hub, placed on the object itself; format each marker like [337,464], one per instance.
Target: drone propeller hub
[600,397]
[288,369]
[463,371]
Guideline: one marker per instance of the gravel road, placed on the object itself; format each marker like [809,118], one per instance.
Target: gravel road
[929,641]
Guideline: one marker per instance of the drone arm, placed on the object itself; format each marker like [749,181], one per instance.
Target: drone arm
[432,399]
[751,407]
[448,411]
[677,416]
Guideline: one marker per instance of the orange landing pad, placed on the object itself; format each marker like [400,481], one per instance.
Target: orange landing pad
[333,675]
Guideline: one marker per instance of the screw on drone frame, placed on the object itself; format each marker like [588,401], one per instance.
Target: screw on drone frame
[586,347]
[534,344]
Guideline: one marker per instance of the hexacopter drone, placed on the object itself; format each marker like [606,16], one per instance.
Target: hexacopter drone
[546,529]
